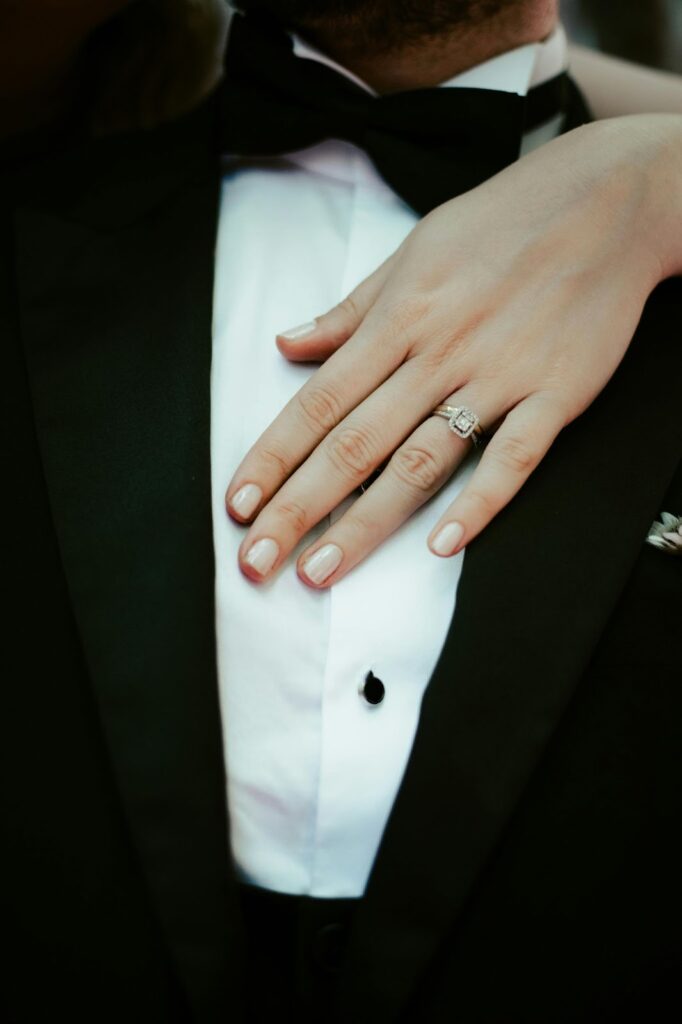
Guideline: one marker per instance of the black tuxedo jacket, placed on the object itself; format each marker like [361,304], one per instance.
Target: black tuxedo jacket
[530,870]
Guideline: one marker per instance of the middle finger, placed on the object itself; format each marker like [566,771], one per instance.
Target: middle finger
[417,471]
[337,387]
[342,461]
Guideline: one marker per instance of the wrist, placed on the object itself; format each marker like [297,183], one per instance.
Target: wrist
[632,168]
[662,138]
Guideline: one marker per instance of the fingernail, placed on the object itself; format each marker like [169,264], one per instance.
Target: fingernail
[246,500]
[294,333]
[447,538]
[322,564]
[263,555]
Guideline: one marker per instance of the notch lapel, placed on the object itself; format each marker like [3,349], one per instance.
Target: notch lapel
[536,591]
[115,268]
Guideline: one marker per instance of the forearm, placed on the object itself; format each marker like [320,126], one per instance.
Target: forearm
[614,87]
[617,89]
[643,157]
[666,132]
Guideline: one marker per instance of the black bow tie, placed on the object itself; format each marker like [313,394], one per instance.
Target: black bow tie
[428,144]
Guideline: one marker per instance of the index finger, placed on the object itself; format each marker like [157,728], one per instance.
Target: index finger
[333,390]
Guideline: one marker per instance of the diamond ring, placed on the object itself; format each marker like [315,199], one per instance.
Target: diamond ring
[462,421]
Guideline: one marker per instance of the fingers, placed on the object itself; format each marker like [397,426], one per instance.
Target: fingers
[418,469]
[345,459]
[415,471]
[511,456]
[328,396]
[317,340]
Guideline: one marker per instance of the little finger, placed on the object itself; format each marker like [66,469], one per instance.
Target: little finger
[515,450]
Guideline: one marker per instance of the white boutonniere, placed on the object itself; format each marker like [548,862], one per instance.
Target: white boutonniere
[667,535]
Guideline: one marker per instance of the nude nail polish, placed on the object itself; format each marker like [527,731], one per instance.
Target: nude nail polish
[294,333]
[262,555]
[323,563]
[246,500]
[447,539]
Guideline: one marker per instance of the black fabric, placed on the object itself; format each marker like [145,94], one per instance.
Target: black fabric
[536,593]
[529,871]
[576,918]
[79,933]
[429,144]
[295,948]
[135,230]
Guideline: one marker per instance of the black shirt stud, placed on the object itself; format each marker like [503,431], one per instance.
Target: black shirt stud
[373,690]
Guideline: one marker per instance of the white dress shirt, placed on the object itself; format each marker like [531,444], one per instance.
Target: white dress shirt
[313,768]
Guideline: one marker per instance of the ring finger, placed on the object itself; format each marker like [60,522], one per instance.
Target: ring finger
[351,451]
[416,471]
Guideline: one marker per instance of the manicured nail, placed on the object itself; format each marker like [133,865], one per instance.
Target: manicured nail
[322,564]
[447,539]
[294,333]
[246,500]
[263,555]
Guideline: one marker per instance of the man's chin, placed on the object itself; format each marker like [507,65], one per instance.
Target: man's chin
[384,20]
[307,11]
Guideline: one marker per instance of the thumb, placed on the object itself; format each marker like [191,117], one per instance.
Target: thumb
[320,338]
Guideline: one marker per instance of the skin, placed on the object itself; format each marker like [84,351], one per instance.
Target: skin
[592,223]
[508,343]
[403,44]
[616,87]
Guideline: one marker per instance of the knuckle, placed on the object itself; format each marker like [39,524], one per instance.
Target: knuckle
[294,514]
[515,453]
[321,407]
[557,404]
[448,348]
[408,313]
[482,503]
[353,452]
[349,308]
[418,468]
[275,461]
[365,527]
[435,357]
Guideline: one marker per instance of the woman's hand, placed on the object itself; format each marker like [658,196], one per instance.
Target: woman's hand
[517,300]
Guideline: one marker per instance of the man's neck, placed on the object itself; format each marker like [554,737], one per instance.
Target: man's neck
[431,61]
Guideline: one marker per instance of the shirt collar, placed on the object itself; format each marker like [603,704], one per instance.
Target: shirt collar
[516,71]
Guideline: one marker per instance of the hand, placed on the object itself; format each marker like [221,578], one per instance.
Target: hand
[518,300]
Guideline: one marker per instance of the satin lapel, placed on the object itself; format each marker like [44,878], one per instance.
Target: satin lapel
[115,266]
[535,593]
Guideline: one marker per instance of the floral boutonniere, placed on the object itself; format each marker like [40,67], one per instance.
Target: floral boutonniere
[667,535]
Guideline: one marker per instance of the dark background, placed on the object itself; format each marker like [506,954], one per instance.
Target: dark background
[647,31]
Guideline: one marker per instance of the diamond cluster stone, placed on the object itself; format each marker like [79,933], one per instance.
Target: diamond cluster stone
[463,422]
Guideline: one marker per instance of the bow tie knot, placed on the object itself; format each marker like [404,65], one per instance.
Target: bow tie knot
[428,144]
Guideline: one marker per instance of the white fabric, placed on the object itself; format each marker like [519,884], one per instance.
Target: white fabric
[312,768]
